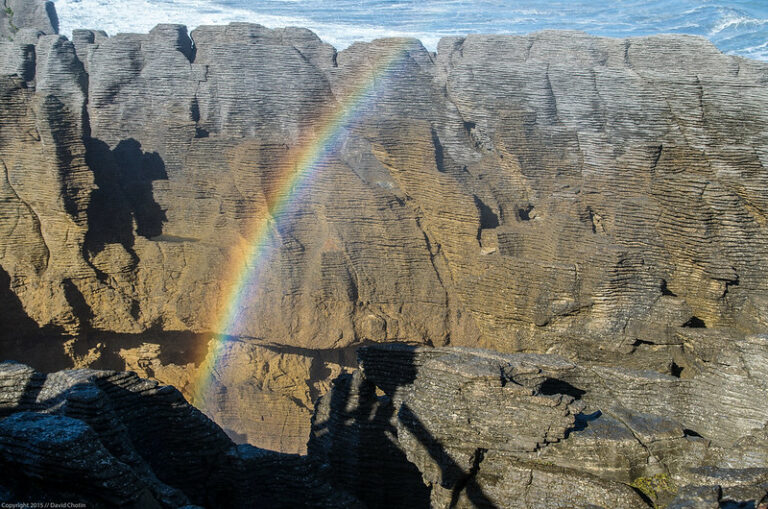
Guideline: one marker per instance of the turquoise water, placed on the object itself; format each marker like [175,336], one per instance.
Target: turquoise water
[736,27]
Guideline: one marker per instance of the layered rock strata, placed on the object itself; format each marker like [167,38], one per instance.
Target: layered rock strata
[112,439]
[483,429]
[27,19]
[412,427]
[597,198]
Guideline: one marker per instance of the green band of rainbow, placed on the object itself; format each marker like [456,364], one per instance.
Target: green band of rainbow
[307,160]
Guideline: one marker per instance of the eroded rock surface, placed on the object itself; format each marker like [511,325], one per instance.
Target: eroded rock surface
[112,439]
[27,19]
[597,198]
[483,429]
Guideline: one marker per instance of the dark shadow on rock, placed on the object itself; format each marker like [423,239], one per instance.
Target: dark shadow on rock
[582,421]
[553,386]
[389,381]
[14,320]
[488,218]
[353,438]
[77,301]
[176,347]
[18,331]
[181,444]
[358,431]
[183,448]
[123,177]
[451,471]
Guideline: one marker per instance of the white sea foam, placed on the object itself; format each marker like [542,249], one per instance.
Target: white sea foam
[759,52]
[734,28]
[733,20]
[140,16]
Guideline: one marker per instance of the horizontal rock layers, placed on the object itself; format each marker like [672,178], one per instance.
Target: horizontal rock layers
[111,439]
[27,19]
[482,429]
[412,427]
[600,199]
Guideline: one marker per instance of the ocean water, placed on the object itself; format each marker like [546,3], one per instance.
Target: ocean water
[738,27]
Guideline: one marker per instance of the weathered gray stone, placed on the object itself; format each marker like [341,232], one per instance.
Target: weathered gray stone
[32,16]
[595,198]
[112,439]
[513,430]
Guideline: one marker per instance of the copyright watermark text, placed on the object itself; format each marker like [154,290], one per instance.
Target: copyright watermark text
[43,505]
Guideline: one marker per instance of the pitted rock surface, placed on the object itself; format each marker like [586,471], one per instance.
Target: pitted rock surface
[112,439]
[494,430]
[597,198]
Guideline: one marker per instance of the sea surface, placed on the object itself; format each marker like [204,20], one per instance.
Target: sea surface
[738,27]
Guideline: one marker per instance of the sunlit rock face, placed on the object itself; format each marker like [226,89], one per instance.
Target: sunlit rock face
[597,198]
[23,19]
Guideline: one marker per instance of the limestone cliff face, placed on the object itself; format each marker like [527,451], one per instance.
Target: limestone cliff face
[461,427]
[553,192]
[22,19]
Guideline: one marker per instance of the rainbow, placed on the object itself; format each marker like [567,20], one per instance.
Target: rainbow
[306,160]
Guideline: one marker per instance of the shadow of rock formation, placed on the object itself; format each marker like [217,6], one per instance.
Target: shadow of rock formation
[123,177]
[17,329]
[471,428]
[455,428]
[111,439]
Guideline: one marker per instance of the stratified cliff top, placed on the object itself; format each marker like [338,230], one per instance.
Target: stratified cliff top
[597,198]
[27,17]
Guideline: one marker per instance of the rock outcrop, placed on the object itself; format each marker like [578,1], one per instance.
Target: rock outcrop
[27,19]
[483,429]
[112,439]
[412,427]
[600,199]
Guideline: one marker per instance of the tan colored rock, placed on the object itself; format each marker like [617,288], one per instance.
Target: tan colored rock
[264,394]
[551,192]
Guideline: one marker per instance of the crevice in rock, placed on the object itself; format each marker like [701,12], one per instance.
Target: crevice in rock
[551,100]
[524,213]
[729,285]
[477,458]
[695,323]
[595,221]
[79,305]
[627,44]
[642,495]
[488,218]
[665,289]
[552,386]
[656,158]
[439,155]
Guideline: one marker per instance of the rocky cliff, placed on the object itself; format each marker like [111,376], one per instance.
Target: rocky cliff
[27,19]
[111,439]
[413,427]
[442,428]
[599,199]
